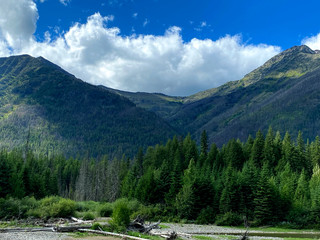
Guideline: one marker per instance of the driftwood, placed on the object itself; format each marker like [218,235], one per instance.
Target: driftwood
[69,228]
[111,234]
[170,235]
[60,225]
[43,229]
[138,225]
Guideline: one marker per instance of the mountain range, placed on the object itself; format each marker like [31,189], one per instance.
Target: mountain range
[51,111]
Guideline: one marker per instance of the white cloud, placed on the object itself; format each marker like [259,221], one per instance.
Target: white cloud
[65,2]
[17,21]
[203,24]
[135,15]
[100,55]
[146,22]
[312,42]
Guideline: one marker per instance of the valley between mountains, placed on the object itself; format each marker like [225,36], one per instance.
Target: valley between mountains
[54,112]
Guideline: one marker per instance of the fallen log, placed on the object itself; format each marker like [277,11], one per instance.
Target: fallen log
[166,234]
[47,229]
[69,228]
[111,234]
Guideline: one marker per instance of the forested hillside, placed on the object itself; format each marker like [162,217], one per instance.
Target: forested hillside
[269,178]
[284,93]
[52,112]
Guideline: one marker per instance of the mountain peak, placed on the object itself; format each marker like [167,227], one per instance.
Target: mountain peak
[299,49]
[293,62]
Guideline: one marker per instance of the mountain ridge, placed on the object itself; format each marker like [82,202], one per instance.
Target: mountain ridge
[235,109]
[67,115]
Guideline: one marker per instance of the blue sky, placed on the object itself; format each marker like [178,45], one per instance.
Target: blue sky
[171,46]
[275,22]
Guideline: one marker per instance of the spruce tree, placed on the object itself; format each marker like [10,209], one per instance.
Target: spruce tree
[263,201]
[269,149]
[302,192]
[230,198]
[257,150]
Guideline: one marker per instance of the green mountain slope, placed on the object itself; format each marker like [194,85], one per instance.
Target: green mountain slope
[163,105]
[284,93]
[53,111]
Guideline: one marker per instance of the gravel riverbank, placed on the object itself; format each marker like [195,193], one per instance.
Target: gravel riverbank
[212,231]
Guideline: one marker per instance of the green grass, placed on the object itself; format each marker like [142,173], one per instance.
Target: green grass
[273,229]
[82,234]
[299,238]
[163,226]
[202,237]
[146,236]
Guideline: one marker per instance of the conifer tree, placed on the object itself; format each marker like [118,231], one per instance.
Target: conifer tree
[190,150]
[315,192]
[185,199]
[302,192]
[269,149]
[257,150]
[248,184]
[234,154]
[230,198]
[248,147]
[211,158]
[264,198]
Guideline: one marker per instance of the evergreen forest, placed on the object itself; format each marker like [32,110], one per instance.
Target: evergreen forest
[269,179]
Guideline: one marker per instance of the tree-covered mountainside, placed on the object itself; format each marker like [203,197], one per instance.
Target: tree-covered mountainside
[52,111]
[283,93]
[44,108]
[163,105]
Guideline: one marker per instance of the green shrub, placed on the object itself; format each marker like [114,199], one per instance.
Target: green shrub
[86,206]
[54,207]
[229,219]
[133,205]
[121,214]
[9,208]
[151,213]
[16,208]
[299,217]
[88,216]
[105,210]
[206,216]
[96,226]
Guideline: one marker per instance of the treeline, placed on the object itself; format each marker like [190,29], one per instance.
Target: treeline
[269,179]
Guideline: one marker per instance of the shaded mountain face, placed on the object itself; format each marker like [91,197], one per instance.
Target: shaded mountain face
[163,105]
[50,111]
[283,93]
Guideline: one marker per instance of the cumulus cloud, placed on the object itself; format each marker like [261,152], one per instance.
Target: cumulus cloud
[17,21]
[312,42]
[98,54]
